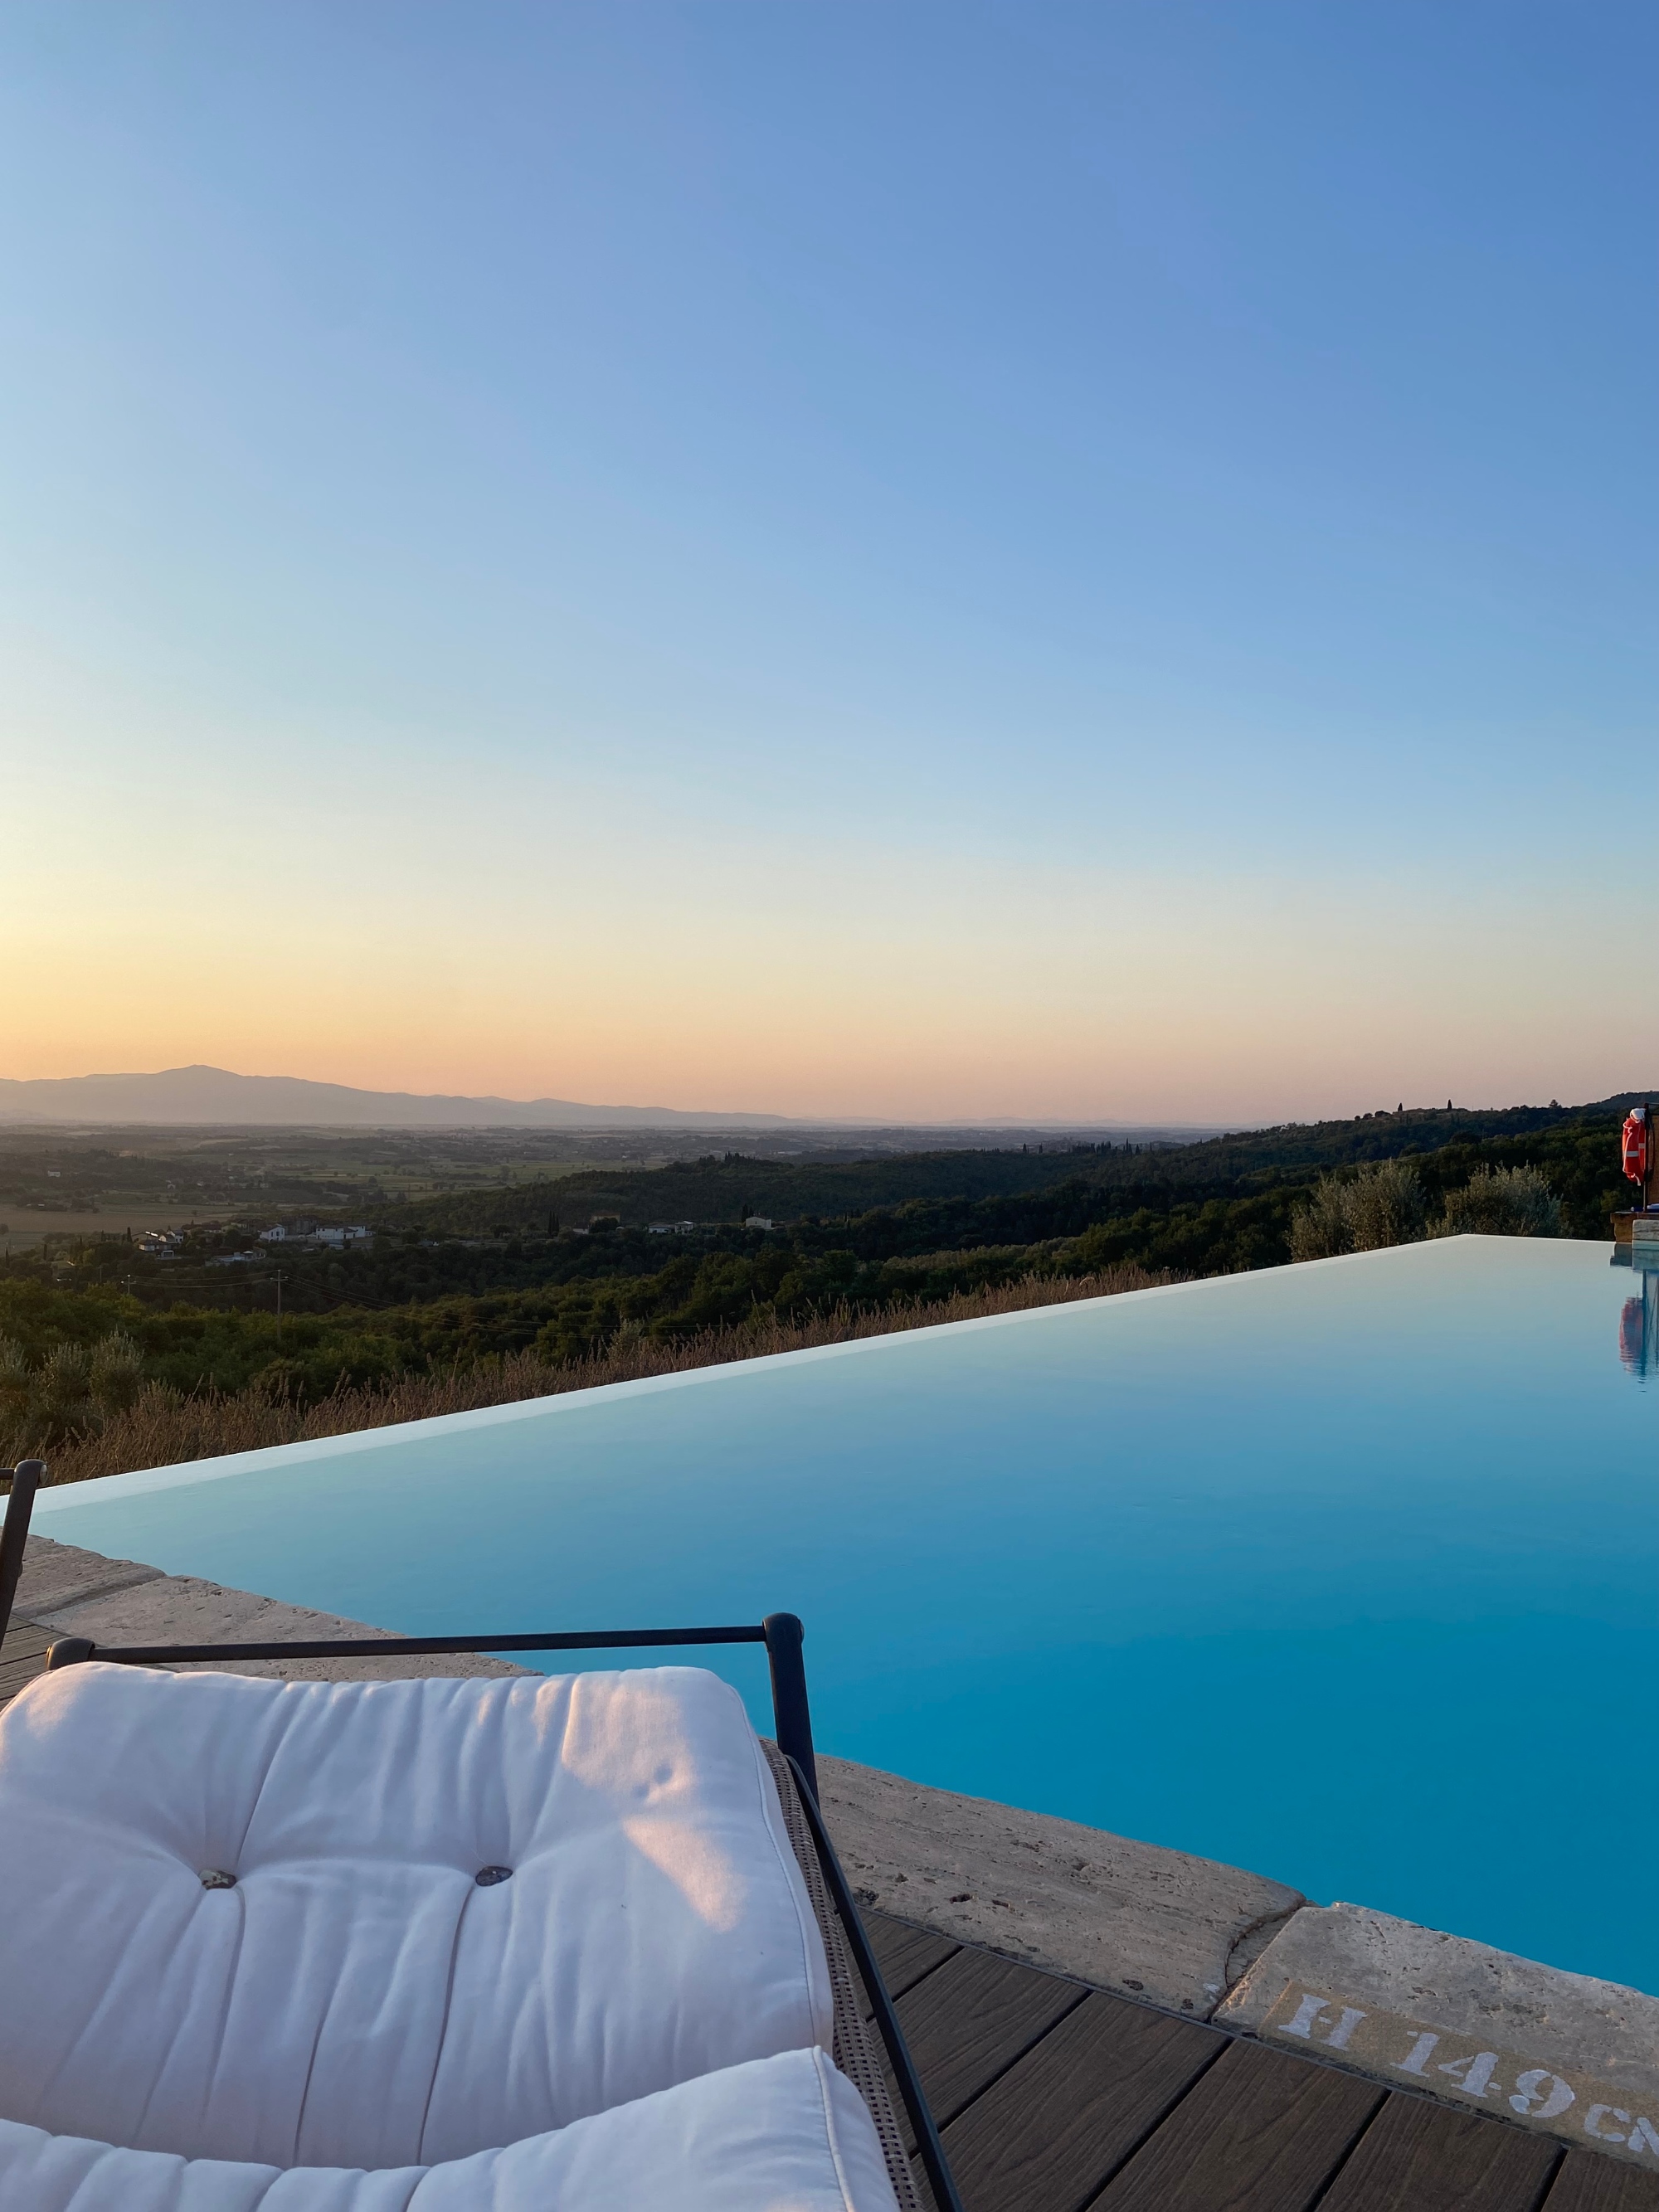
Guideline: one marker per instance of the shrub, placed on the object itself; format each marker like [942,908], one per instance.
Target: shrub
[1381,1204]
[117,1372]
[14,1393]
[1320,1228]
[67,1394]
[1501,1202]
[61,1402]
[1385,1206]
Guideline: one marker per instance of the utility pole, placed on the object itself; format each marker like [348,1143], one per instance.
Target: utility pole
[279,1305]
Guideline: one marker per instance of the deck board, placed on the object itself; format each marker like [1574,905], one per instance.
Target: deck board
[972,2018]
[23,1657]
[1048,2135]
[1437,2160]
[905,1954]
[1590,2183]
[1259,2131]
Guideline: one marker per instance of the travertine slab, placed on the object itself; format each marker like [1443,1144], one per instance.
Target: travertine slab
[56,1575]
[1573,2056]
[1163,1925]
[181,1609]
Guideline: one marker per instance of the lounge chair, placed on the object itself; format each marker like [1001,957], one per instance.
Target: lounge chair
[516,1944]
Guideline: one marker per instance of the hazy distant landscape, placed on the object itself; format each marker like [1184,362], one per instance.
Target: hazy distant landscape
[69,1180]
[207,1096]
[217,1097]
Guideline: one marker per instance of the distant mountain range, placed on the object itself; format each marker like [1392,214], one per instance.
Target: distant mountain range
[215,1096]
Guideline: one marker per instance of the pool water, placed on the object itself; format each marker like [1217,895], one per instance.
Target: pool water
[1347,1573]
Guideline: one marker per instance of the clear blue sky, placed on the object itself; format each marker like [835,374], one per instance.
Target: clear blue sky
[965,559]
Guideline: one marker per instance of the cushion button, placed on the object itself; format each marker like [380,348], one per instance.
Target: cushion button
[216,1878]
[486,1877]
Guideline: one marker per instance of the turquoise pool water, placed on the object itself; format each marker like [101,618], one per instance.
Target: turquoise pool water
[1348,1573]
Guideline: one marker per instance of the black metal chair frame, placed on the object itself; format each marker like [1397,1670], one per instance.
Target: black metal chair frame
[23,1480]
[780,1633]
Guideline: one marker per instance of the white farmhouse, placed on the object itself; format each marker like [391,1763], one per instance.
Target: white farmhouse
[289,1232]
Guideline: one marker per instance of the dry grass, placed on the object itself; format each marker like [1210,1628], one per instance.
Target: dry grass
[161,1429]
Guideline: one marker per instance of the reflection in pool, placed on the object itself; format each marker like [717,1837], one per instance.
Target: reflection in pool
[1638,1324]
[1347,1572]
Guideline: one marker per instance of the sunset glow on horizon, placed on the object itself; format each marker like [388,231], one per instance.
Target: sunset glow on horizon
[921,564]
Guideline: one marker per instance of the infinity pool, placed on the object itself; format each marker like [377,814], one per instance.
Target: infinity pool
[1348,1573]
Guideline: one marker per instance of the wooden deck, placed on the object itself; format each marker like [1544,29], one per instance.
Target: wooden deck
[23,1657]
[1052,2097]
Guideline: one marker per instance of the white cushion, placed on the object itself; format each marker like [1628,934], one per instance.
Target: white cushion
[356,1999]
[784,2132]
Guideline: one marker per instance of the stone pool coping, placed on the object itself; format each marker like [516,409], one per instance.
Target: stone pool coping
[1573,2056]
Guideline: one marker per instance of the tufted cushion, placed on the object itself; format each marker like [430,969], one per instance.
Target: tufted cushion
[779,2132]
[356,1998]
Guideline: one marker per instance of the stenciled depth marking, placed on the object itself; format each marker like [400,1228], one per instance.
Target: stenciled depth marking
[1385,2044]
